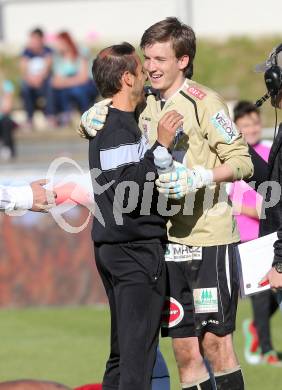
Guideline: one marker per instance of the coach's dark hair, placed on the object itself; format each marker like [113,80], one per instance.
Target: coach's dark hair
[243,108]
[37,31]
[182,37]
[109,66]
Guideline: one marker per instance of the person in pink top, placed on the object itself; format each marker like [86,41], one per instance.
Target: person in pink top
[247,204]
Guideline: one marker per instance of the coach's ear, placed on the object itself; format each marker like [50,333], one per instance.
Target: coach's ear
[128,79]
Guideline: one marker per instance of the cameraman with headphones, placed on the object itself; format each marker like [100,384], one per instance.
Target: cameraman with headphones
[273,215]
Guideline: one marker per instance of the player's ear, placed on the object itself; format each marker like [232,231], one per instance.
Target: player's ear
[183,62]
[128,78]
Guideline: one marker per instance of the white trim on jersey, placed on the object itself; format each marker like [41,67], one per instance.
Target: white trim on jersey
[227,270]
[123,154]
[218,285]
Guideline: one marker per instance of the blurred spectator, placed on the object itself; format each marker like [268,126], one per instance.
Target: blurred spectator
[258,343]
[71,79]
[7,125]
[35,65]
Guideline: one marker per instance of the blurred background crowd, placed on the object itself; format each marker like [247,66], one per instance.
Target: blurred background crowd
[55,79]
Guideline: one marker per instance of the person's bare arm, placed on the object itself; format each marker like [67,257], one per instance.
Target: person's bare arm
[80,78]
[47,70]
[42,199]
[7,103]
[251,212]
[24,68]
[224,173]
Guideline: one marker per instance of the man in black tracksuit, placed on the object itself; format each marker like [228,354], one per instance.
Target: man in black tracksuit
[273,215]
[129,235]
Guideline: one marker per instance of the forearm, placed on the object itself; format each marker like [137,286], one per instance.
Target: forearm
[80,78]
[13,198]
[222,174]
[241,166]
[74,80]
[278,247]
[7,103]
[248,211]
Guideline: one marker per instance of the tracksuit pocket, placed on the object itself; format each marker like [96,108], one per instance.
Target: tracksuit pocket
[149,256]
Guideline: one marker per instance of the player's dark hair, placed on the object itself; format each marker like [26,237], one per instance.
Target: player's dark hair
[109,66]
[37,31]
[243,108]
[182,37]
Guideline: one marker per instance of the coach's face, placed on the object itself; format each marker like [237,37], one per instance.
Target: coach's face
[139,81]
[165,71]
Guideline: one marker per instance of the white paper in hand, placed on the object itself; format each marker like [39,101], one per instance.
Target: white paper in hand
[254,261]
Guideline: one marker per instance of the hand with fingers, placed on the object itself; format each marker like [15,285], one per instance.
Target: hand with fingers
[93,119]
[43,199]
[182,180]
[167,127]
[273,278]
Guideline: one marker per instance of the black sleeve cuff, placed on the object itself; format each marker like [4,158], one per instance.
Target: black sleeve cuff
[277,252]
[156,144]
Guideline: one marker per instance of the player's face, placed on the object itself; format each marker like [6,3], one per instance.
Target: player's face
[250,126]
[165,71]
[139,81]
[62,47]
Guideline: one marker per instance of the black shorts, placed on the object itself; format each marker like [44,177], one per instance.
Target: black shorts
[202,291]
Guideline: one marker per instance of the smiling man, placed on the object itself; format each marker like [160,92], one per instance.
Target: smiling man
[203,283]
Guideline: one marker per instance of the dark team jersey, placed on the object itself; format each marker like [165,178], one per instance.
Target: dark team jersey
[123,173]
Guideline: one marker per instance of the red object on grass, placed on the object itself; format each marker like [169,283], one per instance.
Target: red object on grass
[89,387]
[255,339]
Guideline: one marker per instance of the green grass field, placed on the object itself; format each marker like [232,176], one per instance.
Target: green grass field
[70,345]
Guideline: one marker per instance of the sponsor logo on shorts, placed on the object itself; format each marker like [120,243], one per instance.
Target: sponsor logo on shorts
[172,314]
[178,252]
[196,92]
[205,300]
[225,126]
[214,322]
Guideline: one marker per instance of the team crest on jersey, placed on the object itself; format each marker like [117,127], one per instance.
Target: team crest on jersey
[197,93]
[225,126]
[172,314]
[146,129]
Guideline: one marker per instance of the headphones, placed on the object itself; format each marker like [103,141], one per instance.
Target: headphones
[273,75]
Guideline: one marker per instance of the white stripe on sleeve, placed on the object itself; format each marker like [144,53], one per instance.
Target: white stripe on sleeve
[123,155]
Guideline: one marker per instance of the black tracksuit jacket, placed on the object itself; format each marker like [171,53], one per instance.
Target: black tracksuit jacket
[273,220]
[122,155]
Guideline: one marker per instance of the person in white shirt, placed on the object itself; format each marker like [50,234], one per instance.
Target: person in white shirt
[27,197]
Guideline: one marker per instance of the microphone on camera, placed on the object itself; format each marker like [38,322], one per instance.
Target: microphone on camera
[263,99]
